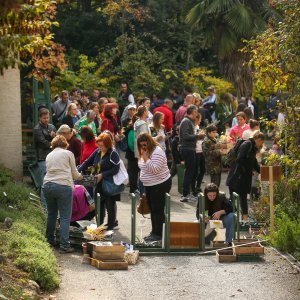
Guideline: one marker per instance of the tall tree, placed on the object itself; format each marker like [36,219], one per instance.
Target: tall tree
[226,23]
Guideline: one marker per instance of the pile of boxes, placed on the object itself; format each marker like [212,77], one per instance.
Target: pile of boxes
[108,256]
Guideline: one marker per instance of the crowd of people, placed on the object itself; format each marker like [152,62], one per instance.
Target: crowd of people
[90,132]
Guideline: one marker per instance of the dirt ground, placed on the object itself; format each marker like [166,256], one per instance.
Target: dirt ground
[177,277]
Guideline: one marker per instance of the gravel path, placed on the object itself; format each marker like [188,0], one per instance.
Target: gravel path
[178,277]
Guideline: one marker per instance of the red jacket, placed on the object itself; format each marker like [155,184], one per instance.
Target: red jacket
[168,119]
[87,149]
[108,124]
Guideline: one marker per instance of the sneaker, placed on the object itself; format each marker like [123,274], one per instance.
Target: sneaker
[152,238]
[184,199]
[195,194]
[193,198]
[116,226]
[54,244]
[63,250]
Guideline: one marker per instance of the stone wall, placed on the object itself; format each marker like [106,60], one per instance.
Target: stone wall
[10,120]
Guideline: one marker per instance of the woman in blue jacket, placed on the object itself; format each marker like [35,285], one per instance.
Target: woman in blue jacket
[106,163]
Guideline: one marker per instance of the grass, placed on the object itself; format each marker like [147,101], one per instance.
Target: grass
[25,243]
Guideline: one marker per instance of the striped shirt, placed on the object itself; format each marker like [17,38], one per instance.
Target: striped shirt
[155,170]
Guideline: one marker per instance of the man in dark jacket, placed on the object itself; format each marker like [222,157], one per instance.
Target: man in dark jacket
[240,175]
[43,133]
[187,140]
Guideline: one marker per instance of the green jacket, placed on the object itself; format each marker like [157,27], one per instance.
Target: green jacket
[83,122]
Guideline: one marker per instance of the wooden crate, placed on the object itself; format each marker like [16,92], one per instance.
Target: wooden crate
[113,248]
[109,265]
[226,256]
[251,249]
[184,235]
[108,255]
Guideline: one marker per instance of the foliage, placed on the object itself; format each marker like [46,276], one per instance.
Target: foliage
[27,245]
[25,242]
[15,194]
[141,42]
[225,25]
[5,175]
[25,36]
[287,234]
[201,78]
[276,63]
[260,211]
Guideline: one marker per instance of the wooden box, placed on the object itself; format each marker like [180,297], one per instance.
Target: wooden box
[184,235]
[109,265]
[252,249]
[112,248]
[226,255]
[108,255]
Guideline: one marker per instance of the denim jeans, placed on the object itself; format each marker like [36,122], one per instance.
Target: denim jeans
[228,224]
[42,167]
[59,199]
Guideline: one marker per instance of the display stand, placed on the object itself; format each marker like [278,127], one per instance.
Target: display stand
[167,248]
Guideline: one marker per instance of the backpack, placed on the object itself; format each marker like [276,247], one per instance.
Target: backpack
[231,156]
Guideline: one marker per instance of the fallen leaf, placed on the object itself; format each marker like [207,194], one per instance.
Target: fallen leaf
[239,290]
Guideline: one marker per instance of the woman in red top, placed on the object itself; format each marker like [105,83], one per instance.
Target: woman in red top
[110,121]
[89,143]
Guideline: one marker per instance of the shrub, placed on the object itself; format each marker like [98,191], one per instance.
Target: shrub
[5,175]
[15,194]
[27,246]
[287,234]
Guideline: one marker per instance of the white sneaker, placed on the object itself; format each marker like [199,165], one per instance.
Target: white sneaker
[192,198]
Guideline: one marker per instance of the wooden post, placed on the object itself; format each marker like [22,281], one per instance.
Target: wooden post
[271,189]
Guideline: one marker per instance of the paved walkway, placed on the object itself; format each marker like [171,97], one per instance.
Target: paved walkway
[177,277]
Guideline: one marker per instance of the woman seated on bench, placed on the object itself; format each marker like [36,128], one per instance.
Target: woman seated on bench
[83,207]
[219,208]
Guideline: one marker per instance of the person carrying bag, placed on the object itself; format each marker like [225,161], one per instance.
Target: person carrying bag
[106,163]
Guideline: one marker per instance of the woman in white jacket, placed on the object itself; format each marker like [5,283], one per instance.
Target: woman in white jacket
[57,188]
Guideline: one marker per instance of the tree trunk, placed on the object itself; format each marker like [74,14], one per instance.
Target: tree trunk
[236,70]
[10,120]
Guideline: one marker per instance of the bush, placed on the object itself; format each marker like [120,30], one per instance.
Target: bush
[15,194]
[6,175]
[25,242]
[30,251]
[287,234]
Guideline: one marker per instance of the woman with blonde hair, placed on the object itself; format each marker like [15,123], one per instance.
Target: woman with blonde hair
[57,188]
[158,129]
[71,116]
[156,178]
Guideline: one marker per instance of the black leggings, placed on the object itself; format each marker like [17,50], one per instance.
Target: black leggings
[243,201]
[199,171]
[156,198]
